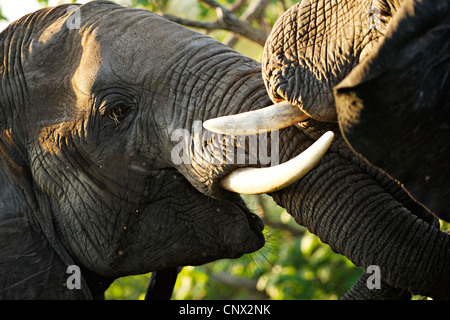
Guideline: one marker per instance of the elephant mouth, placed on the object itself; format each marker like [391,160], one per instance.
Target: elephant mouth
[250,180]
[256,238]
[254,221]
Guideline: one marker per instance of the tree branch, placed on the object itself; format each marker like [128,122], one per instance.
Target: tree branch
[239,283]
[192,23]
[228,21]
[237,5]
[255,11]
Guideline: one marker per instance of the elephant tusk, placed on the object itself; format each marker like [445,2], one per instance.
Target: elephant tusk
[277,116]
[271,179]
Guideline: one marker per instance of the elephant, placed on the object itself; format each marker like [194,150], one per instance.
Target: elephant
[393,107]
[308,56]
[86,175]
[104,164]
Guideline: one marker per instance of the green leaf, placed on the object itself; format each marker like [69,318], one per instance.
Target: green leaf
[2,17]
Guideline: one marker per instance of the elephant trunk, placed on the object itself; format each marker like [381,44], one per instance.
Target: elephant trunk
[361,291]
[368,217]
[315,44]
[223,82]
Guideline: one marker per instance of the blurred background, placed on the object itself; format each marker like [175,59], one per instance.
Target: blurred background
[294,264]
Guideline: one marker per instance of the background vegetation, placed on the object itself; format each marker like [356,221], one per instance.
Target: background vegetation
[294,264]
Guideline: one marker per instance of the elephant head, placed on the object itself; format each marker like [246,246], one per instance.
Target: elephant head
[86,175]
[358,209]
[317,43]
[393,107]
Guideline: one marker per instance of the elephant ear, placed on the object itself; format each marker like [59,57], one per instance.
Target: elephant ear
[28,260]
[393,107]
[33,262]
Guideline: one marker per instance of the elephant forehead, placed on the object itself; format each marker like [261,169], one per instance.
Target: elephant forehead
[53,30]
[135,43]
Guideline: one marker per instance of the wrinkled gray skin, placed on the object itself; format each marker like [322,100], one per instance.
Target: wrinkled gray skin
[87,178]
[360,211]
[315,44]
[394,107]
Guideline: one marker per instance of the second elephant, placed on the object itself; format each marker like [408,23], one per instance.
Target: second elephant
[394,107]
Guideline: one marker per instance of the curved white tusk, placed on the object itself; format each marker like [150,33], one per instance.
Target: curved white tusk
[277,116]
[271,179]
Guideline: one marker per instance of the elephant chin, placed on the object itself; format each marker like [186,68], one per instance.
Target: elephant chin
[269,179]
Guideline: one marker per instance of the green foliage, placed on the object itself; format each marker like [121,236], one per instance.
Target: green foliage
[2,17]
[153,5]
[43,3]
[445,226]
[128,288]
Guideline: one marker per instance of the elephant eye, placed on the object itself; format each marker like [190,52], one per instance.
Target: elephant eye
[119,112]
